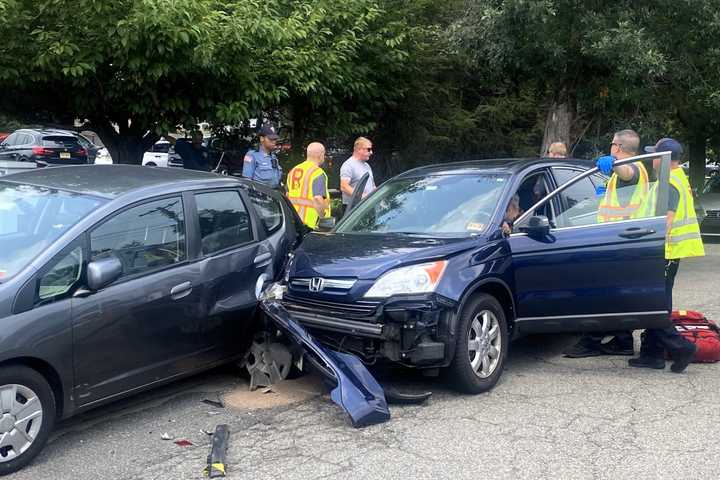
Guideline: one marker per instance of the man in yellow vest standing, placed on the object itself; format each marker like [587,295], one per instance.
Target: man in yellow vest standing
[682,240]
[307,187]
[622,199]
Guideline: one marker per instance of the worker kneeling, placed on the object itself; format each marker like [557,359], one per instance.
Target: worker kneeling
[307,186]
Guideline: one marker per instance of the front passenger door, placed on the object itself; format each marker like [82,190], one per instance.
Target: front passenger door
[586,275]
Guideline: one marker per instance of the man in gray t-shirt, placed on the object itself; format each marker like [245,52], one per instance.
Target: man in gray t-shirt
[354,168]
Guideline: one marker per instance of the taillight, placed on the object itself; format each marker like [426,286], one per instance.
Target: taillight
[82,152]
[41,151]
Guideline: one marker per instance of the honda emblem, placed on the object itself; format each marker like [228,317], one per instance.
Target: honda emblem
[316,284]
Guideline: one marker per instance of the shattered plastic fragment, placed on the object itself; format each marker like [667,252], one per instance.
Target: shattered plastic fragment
[183,443]
[166,436]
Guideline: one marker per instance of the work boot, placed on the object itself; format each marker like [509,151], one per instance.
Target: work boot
[616,347]
[644,361]
[585,347]
[682,358]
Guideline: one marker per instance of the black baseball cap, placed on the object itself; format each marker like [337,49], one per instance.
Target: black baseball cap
[667,145]
[269,131]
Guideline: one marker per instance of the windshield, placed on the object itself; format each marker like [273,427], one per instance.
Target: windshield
[32,218]
[451,205]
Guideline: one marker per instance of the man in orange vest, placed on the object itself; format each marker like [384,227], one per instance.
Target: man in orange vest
[307,187]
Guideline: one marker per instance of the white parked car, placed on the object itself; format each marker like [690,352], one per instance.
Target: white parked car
[102,157]
[158,155]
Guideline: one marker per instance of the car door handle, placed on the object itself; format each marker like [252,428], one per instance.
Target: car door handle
[262,258]
[180,291]
[636,232]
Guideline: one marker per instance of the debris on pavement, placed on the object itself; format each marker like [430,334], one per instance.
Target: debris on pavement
[183,443]
[218,452]
[356,390]
[166,436]
[400,398]
[214,403]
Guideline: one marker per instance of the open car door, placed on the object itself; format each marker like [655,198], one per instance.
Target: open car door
[357,193]
[575,271]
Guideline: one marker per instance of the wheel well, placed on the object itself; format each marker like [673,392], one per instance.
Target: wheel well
[47,371]
[502,295]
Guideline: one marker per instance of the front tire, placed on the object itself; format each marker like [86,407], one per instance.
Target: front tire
[481,347]
[27,416]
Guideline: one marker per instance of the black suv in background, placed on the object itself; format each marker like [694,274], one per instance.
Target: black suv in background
[45,147]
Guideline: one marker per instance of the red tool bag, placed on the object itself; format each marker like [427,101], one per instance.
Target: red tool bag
[704,333]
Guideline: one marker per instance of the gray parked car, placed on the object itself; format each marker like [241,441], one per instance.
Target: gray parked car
[710,199]
[115,279]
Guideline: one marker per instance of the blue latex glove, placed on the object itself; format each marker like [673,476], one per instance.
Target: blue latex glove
[605,164]
[600,190]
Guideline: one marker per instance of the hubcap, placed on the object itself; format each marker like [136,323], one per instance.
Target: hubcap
[20,421]
[484,343]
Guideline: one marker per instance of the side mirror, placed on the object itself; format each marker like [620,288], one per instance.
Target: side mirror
[537,227]
[103,272]
[326,224]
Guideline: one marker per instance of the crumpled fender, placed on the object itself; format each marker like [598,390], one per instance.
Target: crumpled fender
[357,392]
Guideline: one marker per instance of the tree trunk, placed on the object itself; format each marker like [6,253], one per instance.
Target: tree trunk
[126,146]
[698,145]
[300,114]
[558,124]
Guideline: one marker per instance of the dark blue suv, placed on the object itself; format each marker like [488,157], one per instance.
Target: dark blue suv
[424,272]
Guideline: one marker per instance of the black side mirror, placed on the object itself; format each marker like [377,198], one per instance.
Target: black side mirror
[326,224]
[537,227]
[103,272]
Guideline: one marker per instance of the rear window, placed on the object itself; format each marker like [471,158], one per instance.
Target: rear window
[60,142]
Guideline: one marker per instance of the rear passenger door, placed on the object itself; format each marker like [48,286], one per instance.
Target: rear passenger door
[233,262]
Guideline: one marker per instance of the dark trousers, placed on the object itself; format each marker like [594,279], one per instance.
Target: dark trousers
[656,341]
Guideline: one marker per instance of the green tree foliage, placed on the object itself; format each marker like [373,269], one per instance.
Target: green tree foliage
[134,69]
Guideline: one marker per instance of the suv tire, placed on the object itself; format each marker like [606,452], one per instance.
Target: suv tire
[482,341]
[33,398]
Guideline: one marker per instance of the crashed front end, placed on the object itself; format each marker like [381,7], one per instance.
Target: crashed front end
[412,330]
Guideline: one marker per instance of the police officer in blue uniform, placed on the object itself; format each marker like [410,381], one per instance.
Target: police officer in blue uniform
[262,164]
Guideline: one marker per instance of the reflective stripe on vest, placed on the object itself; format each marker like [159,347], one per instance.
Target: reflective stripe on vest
[684,239]
[610,209]
[300,194]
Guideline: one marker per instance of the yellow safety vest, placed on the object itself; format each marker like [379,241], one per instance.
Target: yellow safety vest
[610,209]
[684,238]
[300,192]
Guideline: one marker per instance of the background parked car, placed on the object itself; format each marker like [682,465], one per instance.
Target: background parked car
[711,168]
[158,154]
[44,147]
[710,199]
[90,147]
[103,157]
[118,278]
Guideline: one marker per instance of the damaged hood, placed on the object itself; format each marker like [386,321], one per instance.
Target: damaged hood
[369,256]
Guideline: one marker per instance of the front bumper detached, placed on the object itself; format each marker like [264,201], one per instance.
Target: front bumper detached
[356,391]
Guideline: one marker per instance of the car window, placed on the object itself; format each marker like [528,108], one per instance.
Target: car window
[451,205]
[712,185]
[160,147]
[145,238]
[224,221]
[11,139]
[580,203]
[24,139]
[585,206]
[268,209]
[59,142]
[62,276]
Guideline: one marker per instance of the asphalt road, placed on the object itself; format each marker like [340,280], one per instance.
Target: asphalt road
[549,417]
